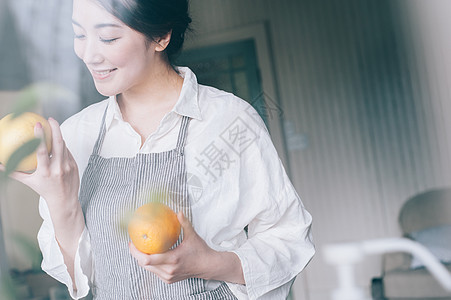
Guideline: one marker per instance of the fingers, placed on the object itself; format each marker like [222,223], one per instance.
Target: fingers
[136,253]
[162,265]
[58,145]
[41,152]
[186,224]
[142,258]
[149,259]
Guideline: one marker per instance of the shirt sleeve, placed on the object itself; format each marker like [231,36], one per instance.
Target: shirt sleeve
[53,261]
[279,243]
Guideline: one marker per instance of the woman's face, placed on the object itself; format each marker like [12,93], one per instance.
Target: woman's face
[115,54]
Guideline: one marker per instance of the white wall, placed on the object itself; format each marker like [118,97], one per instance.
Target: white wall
[347,84]
[429,27]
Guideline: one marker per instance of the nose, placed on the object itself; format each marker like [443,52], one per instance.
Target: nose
[90,52]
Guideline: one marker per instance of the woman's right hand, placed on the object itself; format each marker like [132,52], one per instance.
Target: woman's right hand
[56,177]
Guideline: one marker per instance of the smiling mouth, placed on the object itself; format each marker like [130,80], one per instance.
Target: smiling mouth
[103,73]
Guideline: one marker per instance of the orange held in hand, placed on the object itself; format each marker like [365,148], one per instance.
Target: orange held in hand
[154,228]
[15,132]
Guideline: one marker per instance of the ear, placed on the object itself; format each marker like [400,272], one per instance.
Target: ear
[163,42]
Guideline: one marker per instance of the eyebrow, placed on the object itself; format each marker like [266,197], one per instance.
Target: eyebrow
[97,26]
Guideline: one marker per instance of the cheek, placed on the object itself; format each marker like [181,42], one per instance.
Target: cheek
[118,58]
[78,49]
[125,56]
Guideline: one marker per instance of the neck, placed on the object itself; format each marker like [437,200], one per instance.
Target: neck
[160,90]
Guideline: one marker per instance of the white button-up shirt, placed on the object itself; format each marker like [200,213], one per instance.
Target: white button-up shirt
[235,178]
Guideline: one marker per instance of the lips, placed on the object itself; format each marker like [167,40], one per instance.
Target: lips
[102,74]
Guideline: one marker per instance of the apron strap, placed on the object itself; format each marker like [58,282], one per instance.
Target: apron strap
[99,142]
[182,135]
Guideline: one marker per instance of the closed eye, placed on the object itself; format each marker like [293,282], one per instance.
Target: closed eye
[108,41]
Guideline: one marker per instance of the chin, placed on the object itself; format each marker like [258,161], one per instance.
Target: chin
[106,94]
[105,91]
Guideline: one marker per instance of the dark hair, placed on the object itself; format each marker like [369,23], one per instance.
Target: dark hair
[154,19]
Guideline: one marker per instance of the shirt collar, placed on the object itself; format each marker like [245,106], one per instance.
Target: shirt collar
[187,104]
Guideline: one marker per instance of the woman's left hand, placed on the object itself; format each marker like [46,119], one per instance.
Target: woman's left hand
[192,258]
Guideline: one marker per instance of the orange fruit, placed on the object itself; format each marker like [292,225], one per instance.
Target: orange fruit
[154,228]
[14,132]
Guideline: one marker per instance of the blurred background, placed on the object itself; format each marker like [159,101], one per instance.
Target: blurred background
[355,94]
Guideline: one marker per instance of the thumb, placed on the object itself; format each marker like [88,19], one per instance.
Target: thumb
[185,223]
[19,176]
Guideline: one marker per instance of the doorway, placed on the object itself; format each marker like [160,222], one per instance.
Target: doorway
[231,67]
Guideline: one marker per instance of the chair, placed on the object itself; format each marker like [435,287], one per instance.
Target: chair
[427,214]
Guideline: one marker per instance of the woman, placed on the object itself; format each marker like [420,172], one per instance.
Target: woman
[157,126]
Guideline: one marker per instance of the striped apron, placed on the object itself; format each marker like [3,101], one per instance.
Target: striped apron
[112,188]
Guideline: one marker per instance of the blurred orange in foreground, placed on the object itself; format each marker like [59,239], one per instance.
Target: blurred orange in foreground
[15,132]
[154,228]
